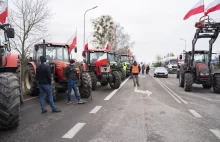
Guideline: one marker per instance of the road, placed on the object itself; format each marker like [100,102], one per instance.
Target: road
[165,114]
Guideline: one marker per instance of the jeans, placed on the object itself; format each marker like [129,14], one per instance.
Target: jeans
[72,85]
[48,90]
[142,71]
[135,79]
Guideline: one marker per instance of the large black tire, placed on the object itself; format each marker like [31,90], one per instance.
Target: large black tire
[30,82]
[207,86]
[181,80]
[216,85]
[9,100]
[177,75]
[18,72]
[115,84]
[123,74]
[188,82]
[94,80]
[85,88]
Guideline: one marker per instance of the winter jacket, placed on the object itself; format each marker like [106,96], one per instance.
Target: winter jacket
[43,74]
[71,72]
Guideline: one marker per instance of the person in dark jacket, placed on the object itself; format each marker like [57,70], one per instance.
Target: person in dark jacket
[147,69]
[135,70]
[43,75]
[71,75]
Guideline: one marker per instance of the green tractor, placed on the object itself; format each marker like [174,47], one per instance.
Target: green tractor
[115,64]
[126,63]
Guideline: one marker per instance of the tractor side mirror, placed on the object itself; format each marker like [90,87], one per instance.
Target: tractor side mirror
[83,53]
[31,59]
[36,48]
[75,49]
[10,32]
[181,57]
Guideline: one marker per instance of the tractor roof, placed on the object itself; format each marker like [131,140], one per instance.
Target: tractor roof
[53,43]
[98,50]
[199,51]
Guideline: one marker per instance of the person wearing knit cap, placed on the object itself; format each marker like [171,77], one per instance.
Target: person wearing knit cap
[71,75]
[43,75]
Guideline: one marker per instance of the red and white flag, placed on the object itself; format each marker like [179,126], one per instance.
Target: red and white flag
[197,8]
[86,47]
[214,6]
[107,46]
[3,11]
[72,42]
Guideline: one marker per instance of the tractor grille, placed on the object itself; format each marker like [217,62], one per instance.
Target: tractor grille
[174,66]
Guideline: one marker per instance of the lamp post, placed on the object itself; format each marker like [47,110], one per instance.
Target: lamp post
[85,23]
[185,42]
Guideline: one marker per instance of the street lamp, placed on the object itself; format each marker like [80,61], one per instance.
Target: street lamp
[185,42]
[85,23]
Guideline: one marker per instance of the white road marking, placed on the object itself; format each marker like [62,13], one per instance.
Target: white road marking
[96,109]
[143,92]
[216,132]
[73,131]
[168,92]
[196,114]
[116,90]
[31,98]
[185,102]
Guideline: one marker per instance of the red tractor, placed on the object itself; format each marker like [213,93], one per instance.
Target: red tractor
[197,66]
[57,58]
[10,91]
[97,62]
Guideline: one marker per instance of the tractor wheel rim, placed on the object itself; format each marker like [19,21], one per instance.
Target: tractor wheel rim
[28,81]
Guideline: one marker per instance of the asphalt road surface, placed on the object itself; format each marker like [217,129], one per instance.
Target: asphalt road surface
[157,111]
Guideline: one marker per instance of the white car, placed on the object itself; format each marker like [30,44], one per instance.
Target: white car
[161,71]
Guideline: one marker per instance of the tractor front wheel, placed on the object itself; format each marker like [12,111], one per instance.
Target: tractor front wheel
[181,80]
[216,85]
[85,88]
[9,100]
[188,82]
[123,74]
[94,80]
[116,82]
[30,82]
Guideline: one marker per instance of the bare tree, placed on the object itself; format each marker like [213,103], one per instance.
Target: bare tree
[29,18]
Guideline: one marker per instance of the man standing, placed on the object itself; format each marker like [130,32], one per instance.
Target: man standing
[71,75]
[43,75]
[143,68]
[135,70]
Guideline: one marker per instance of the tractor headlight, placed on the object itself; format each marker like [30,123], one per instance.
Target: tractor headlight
[204,74]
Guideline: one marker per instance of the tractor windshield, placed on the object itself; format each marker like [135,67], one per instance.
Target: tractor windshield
[173,62]
[111,57]
[96,56]
[201,57]
[124,58]
[54,53]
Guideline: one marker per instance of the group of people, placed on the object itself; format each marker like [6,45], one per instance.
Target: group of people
[136,69]
[43,75]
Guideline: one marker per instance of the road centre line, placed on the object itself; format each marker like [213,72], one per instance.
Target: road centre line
[216,132]
[96,109]
[168,92]
[73,131]
[116,90]
[195,113]
[185,102]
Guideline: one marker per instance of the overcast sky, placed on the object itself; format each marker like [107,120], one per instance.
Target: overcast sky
[155,26]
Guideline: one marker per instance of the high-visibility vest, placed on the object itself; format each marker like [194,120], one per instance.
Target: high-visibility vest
[124,67]
[135,69]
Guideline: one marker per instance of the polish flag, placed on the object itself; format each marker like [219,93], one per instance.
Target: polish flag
[107,46]
[129,51]
[3,11]
[198,8]
[86,48]
[214,6]
[72,42]
[101,60]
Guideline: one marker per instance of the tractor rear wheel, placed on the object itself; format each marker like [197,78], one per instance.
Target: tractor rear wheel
[30,82]
[181,80]
[115,84]
[94,80]
[188,82]
[85,88]
[177,75]
[9,100]
[123,74]
[207,86]
[216,86]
